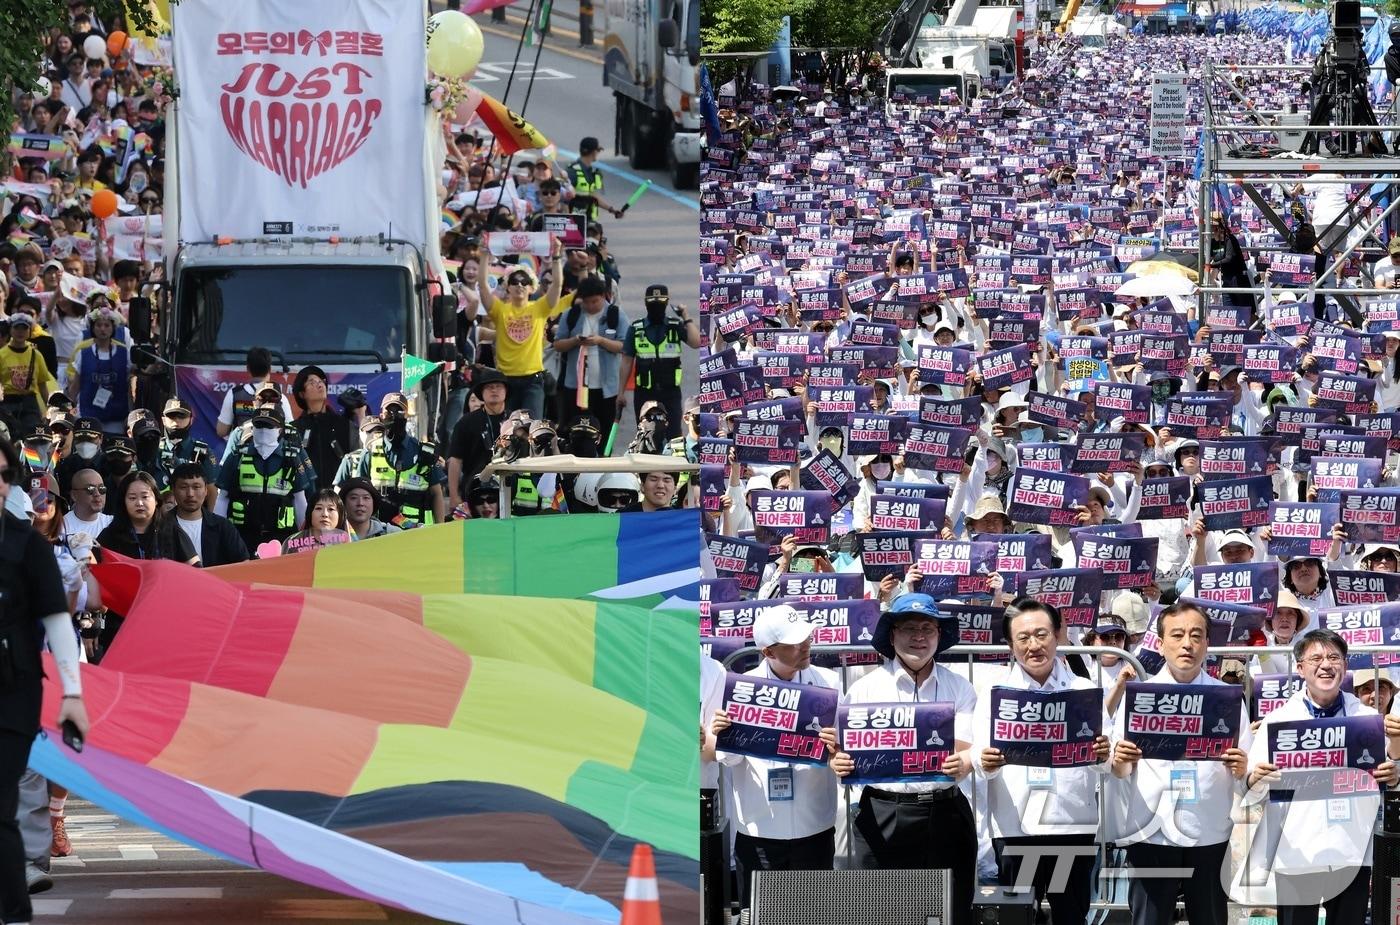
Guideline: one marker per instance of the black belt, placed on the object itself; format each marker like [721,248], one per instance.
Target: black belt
[929,796]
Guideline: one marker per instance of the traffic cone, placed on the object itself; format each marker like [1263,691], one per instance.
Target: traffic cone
[641,901]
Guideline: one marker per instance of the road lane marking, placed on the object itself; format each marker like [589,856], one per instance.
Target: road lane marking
[50,906]
[137,852]
[170,892]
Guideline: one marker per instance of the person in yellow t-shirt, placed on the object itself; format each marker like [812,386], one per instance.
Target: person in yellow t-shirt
[24,376]
[520,328]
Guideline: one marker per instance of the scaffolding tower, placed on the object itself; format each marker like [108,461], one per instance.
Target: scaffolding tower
[1230,121]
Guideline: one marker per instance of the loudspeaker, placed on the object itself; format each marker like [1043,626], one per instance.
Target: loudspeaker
[714,863]
[999,905]
[852,897]
[1385,874]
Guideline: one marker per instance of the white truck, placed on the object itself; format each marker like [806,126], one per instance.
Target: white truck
[651,61]
[916,87]
[286,226]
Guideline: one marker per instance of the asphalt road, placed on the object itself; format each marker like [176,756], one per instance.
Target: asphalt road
[121,874]
[658,240]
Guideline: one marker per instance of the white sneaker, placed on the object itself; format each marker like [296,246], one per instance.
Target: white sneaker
[38,880]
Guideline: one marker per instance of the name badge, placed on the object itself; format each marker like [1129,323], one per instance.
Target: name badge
[1183,783]
[780,784]
[101,397]
[1338,810]
[1040,778]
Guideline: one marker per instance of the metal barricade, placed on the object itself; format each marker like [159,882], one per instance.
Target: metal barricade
[1105,873]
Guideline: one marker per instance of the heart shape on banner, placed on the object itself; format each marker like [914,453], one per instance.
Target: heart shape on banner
[299,127]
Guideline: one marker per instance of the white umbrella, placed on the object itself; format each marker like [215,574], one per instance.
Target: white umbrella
[1154,285]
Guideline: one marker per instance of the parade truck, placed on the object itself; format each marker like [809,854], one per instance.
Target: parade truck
[651,61]
[301,202]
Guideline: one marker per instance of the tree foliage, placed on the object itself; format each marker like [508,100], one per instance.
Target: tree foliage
[854,24]
[738,27]
[25,27]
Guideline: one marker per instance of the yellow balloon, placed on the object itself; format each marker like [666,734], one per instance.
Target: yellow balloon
[454,44]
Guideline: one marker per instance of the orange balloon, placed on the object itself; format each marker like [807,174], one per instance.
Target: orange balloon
[104,203]
[116,42]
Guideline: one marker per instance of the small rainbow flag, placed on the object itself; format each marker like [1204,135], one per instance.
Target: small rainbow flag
[46,147]
[512,132]
[36,461]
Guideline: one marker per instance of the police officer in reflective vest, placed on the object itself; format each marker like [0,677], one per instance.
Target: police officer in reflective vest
[587,180]
[178,447]
[263,484]
[652,347]
[406,473]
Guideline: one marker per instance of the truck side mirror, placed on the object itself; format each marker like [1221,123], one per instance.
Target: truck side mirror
[667,35]
[139,319]
[445,315]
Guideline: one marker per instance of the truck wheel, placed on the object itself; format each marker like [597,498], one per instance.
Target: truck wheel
[683,176]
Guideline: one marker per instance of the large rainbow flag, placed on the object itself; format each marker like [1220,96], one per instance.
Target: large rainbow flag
[645,559]
[477,758]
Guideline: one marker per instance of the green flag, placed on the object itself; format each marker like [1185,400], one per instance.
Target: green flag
[414,369]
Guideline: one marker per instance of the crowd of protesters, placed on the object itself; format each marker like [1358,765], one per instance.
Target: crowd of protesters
[105,458]
[959,387]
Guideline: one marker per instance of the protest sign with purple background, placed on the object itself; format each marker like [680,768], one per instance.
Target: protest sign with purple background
[1075,592]
[1332,474]
[1227,504]
[825,472]
[1182,722]
[1046,498]
[1018,552]
[1125,562]
[1047,729]
[937,449]
[767,443]
[954,567]
[776,720]
[1301,529]
[1315,754]
[1371,515]
[1253,583]
[896,742]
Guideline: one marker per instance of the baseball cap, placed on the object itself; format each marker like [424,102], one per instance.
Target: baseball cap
[1111,623]
[1231,537]
[1363,676]
[20,319]
[176,406]
[394,398]
[588,145]
[657,291]
[1134,611]
[88,426]
[261,388]
[271,413]
[781,626]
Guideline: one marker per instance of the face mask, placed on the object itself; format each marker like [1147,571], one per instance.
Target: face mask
[1032,434]
[178,433]
[583,445]
[929,320]
[1161,393]
[832,444]
[137,182]
[86,450]
[119,465]
[544,447]
[656,310]
[395,426]
[880,471]
[265,440]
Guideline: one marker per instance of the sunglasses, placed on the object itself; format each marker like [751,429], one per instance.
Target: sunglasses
[96,489]
[518,281]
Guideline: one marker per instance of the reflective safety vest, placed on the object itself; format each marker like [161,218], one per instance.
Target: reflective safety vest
[676,448]
[525,496]
[410,490]
[584,186]
[658,365]
[264,501]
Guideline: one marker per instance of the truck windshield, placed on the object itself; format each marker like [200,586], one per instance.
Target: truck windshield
[320,309]
[922,89]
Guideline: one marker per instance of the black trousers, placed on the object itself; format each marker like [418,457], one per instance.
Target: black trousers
[815,852]
[14,892]
[1152,900]
[604,409]
[1068,906]
[893,833]
[1344,903]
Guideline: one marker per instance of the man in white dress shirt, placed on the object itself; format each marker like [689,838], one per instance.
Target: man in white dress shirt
[927,824]
[1037,808]
[1323,853]
[784,814]
[1175,815]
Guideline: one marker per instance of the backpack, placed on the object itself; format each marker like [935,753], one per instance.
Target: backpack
[610,316]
